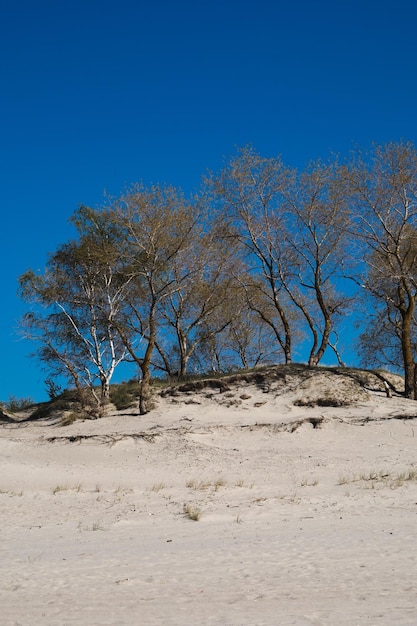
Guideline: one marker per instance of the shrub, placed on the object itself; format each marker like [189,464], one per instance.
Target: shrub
[19,404]
[124,395]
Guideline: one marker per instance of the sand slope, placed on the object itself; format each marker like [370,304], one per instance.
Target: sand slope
[307,513]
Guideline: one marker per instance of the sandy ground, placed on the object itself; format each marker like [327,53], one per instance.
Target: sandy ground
[307,514]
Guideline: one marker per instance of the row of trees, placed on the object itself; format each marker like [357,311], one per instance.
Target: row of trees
[265,261]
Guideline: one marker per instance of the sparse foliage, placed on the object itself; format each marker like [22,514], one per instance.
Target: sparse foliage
[75,303]
[385,198]
[250,195]
[155,227]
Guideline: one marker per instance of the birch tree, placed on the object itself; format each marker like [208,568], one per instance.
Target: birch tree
[76,301]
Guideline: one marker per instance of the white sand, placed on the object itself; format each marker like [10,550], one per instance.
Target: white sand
[288,534]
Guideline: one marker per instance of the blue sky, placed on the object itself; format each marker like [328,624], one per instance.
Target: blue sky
[98,94]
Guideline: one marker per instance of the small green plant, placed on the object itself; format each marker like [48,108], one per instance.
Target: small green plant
[192,512]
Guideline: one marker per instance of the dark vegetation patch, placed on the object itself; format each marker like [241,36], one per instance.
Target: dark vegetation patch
[196,386]
[323,401]
[124,395]
[6,419]
[66,401]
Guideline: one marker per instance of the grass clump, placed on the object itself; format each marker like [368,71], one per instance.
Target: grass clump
[72,417]
[383,478]
[192,512]
[124,395]
[219,482]
[309,483]
[201,485]
[60,488]
[11,493]
[158,487]
[197,485]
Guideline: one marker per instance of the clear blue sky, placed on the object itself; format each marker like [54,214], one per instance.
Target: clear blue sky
[97,94]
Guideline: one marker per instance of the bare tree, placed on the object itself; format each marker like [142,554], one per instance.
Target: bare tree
[385,202]
[250,192]
[155,227]
[317,243]
[199,305]
[247,342]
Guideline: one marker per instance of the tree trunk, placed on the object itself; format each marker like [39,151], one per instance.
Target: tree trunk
[145,388]
[182,342]
[105,395]
[409,382]
[105,391]
[183,366]
[145,392]
[407,352]
[317,355]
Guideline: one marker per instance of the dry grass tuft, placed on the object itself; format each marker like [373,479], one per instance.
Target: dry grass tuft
[219,482]
[309,483]
[158,487]
[77,487]
[241,483]
[72,417]
[192,512]
[381,478]
[11,493]
[203,485]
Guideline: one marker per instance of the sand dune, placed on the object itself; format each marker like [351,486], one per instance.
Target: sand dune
[303,485]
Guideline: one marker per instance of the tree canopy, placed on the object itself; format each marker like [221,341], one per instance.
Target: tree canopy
[262,265]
